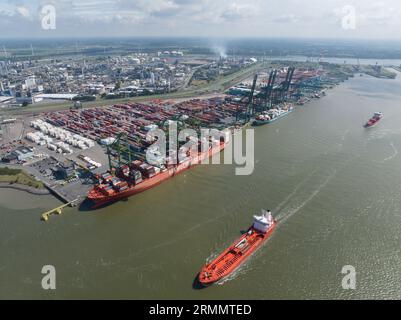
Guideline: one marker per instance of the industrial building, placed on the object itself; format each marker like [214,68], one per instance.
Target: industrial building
[19,154]
[66,170]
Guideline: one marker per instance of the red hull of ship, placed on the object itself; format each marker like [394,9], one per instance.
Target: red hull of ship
[372,123]
[99,199]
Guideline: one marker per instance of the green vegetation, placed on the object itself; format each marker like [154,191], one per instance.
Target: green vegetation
[197,83]
[83,98]
[19,177]
[338,71]
[379,72]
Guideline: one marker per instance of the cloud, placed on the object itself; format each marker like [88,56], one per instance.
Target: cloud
[23,11]
[273,18]
[286,18]
[241,10]
[381,13]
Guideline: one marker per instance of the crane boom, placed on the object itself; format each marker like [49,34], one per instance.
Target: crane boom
[124,153]
[249,107]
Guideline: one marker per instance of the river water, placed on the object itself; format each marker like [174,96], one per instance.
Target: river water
[345,60]
[335,187]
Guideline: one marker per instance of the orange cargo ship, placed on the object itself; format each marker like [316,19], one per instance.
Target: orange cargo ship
[141,177]
[232,258]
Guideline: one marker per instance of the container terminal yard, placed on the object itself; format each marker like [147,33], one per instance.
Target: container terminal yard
[68,149]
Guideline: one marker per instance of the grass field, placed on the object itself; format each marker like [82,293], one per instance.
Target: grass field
[19,177]
[382,73]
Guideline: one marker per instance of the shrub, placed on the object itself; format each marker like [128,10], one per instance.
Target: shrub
[9,172]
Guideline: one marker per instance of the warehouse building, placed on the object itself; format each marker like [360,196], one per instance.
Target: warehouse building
[19,154]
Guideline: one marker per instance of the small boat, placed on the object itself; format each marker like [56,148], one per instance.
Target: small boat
[374,120]
[234,256]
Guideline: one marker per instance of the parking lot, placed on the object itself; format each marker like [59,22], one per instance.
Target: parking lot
[45,163]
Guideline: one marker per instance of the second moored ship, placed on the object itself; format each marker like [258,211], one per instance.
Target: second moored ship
[272,115]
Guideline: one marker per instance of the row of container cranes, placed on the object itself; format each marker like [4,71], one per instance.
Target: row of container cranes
[273,93]
[281,86]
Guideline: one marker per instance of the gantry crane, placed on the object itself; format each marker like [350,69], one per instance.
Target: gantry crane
[250,107]
[124,154]
[267,91]
[281,92]
[247,103]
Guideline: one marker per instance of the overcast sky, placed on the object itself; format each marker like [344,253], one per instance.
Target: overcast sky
[206,18]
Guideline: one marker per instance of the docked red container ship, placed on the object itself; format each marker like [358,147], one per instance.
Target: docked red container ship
[140,176]
[234,256]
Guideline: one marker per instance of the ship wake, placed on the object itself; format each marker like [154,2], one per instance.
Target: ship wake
[288,213]
[395,153]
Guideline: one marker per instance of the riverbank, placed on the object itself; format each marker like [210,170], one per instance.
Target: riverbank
[21,187]
[378,72]
[20,177]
